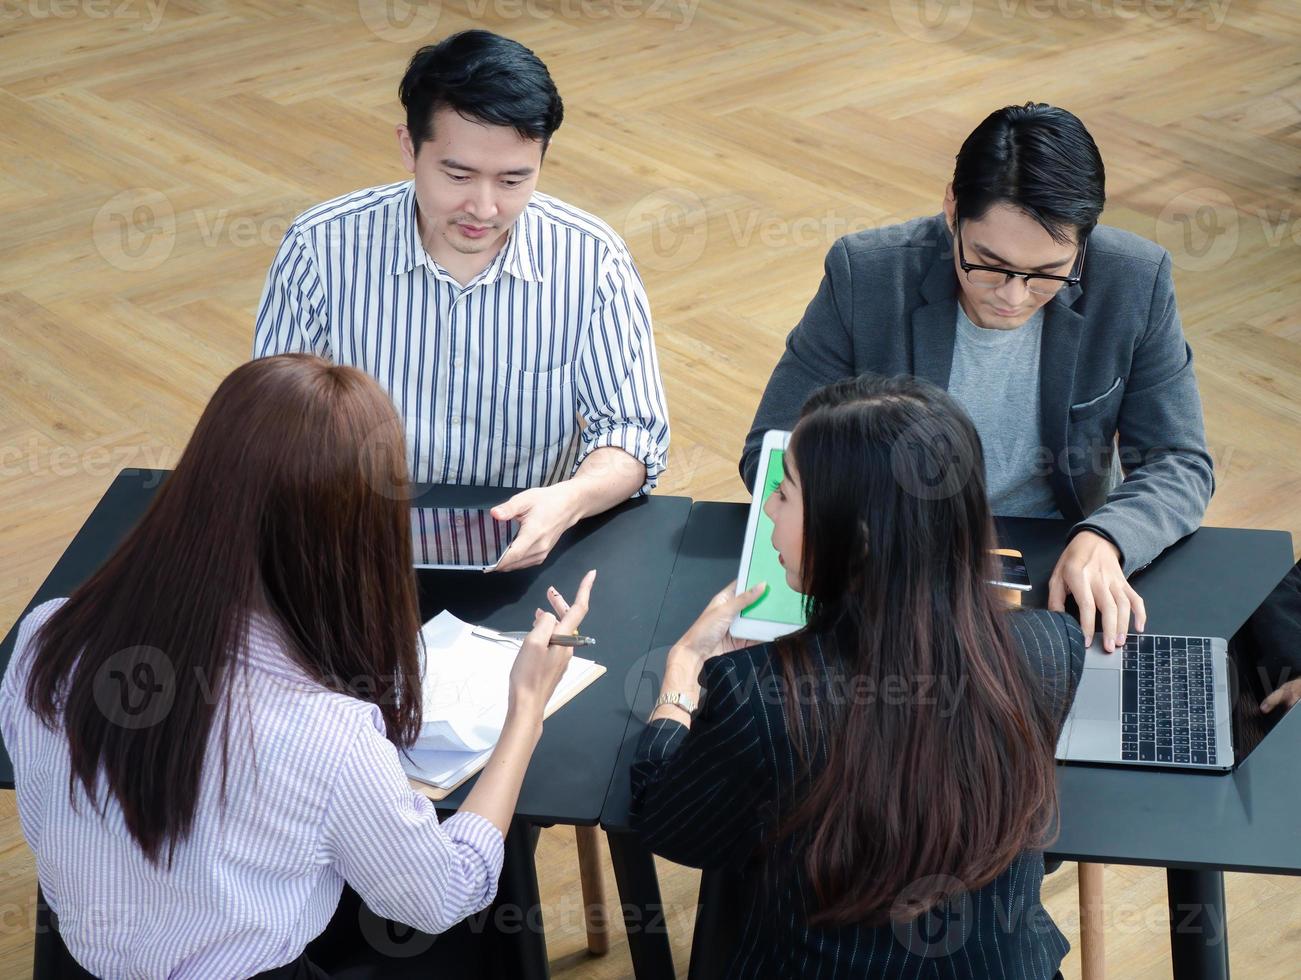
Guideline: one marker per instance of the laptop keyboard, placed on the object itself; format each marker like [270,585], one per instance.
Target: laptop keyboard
[1168,706]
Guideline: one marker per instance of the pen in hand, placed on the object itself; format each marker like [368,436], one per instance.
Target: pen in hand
[571,640]
[561,608]
[557,639]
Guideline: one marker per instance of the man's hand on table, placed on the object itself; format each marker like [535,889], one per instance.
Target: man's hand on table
[1089,569]
[606,477]
[543,513]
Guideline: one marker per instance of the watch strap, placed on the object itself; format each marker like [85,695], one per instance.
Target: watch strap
[679,699]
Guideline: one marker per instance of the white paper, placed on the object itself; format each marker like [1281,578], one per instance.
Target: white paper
[466,683]
[442,769]
[466,687]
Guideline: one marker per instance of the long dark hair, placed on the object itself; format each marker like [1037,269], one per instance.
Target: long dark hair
[287,503]
[910,806]
[1038,158]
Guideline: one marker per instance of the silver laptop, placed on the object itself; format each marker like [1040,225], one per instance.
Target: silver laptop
[1162,701]
[1187,702]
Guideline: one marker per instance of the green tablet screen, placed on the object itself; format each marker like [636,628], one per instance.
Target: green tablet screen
[781,603]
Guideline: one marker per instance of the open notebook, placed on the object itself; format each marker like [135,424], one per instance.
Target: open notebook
[466,684]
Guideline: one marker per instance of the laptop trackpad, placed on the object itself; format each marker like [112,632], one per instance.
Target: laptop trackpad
[1098,698]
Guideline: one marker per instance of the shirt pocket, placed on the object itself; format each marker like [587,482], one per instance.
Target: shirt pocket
[517,379]
[1106,402]
[536,408]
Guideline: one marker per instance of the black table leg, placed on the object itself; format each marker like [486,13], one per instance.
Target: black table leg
[722,893]
[50,958]
[643,910]
[519,946]
[44,956]
[1199,939]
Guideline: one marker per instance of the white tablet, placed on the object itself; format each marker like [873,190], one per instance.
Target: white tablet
[467,538]
[781,609]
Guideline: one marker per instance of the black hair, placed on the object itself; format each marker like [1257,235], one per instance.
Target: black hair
[1037,158]
[895,561]
[484,77]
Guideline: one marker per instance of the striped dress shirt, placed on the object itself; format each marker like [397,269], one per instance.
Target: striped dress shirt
[491,378]
[315,795]
[711,796]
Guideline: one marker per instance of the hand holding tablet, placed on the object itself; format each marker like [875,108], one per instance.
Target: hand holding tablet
[465,538]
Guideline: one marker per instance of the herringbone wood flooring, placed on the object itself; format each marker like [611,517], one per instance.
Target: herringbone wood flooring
[154,152]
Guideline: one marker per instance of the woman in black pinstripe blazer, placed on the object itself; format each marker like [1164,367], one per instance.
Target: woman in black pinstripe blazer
[881,781]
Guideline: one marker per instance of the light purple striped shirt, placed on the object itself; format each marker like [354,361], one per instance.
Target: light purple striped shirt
[326,802]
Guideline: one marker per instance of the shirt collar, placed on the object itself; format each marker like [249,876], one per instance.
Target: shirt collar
[408,249]
[518,258]
[266,649]
[521,251]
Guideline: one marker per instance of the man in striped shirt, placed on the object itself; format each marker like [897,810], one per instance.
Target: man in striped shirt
[511,330]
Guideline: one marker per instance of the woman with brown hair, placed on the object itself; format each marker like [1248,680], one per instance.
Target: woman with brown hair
[205,734]
[884,777]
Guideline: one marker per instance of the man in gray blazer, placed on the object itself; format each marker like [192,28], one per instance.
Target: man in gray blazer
[1059,337]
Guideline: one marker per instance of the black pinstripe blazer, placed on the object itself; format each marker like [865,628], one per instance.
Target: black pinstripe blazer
[709,797]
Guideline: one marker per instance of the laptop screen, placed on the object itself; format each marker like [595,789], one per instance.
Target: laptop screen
[1264,654]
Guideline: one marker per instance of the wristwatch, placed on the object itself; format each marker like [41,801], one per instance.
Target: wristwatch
[678,698]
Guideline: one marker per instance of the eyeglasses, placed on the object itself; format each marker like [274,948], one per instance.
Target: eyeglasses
[991,276]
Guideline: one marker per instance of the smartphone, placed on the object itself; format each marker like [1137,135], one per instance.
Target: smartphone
[1012,573]
[459,537]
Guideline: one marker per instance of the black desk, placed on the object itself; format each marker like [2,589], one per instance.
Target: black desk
[633,547]
[707,560]
[1195,825]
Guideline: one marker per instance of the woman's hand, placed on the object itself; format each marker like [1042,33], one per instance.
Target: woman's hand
[1287,695]
[539,665]
[537,670]
[709,635]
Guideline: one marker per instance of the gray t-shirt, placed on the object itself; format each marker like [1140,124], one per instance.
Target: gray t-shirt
[995,377]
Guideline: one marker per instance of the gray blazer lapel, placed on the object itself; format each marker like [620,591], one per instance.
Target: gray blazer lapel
[1062,332]
[935,325]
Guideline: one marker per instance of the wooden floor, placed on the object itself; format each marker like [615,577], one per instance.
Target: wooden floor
[152,154]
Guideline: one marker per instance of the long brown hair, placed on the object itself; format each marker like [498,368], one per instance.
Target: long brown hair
[916,800]
[288,502]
